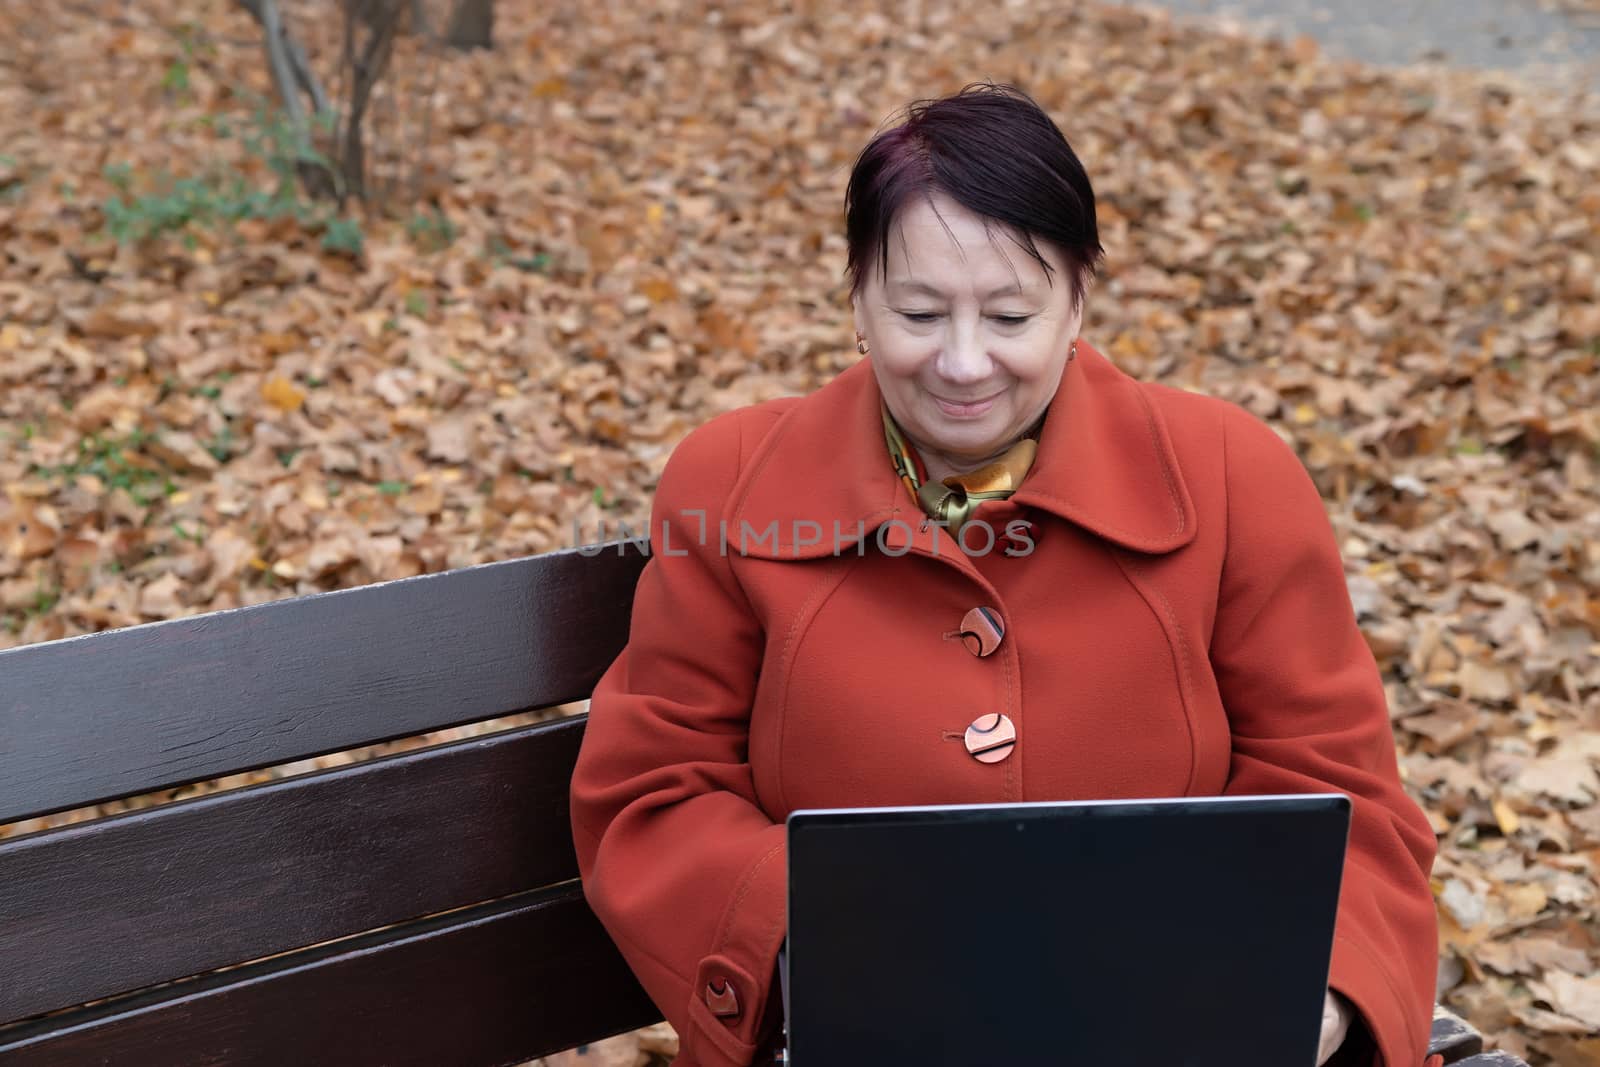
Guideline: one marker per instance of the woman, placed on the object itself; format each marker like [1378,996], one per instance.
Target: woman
[981,565]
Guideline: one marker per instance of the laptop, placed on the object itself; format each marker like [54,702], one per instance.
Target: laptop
[1186,932]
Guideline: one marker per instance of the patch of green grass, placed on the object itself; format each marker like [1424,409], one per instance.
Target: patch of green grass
[393,488]
[220,445]
[106,458]
[342,235]
[501,252]
[176,78]
[431,231]
[44,599]
[23,435]
[223,194]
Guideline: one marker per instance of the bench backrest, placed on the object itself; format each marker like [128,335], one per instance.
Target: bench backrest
[417,908]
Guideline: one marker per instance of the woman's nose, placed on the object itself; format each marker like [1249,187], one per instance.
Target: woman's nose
[963,358]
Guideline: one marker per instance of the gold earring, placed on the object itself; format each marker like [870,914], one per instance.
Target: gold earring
[1072,353]
[861,344]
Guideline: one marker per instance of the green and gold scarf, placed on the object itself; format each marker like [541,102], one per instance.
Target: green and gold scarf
[955,499]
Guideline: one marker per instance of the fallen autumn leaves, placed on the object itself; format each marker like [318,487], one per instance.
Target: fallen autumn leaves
[1397,271]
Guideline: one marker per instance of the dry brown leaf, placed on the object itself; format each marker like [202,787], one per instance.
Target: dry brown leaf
[160,599]
[1572,996]
[282,394]
[1531,954]
[1572,780]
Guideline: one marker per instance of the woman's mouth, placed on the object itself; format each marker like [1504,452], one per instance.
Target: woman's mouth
[967,409]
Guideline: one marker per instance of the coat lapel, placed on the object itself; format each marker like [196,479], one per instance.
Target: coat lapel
[1105,463]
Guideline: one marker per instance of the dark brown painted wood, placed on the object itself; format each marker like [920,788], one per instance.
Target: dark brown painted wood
[495,984]
[129,711]
[229,877]
[1452,1037]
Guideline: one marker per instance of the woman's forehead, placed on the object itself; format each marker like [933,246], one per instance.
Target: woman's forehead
[941,247]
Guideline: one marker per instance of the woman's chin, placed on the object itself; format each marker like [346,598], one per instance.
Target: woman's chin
[968,451]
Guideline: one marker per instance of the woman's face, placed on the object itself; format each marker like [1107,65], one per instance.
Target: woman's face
[968,335]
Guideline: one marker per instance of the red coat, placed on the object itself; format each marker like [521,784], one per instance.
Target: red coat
[1180,627]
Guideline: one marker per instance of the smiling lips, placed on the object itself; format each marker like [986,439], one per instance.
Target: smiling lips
[967,408]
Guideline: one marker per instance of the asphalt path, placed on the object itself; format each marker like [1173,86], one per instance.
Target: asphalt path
[1536,41]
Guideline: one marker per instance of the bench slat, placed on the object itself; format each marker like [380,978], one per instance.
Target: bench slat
[496,984]
[102,716]
[1452,1036]
[99,908]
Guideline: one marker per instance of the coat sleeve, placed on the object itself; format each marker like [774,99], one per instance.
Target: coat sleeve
[679,862]
[1307,710]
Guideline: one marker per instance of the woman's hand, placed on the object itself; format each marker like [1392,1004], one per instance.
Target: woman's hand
[1335,1024]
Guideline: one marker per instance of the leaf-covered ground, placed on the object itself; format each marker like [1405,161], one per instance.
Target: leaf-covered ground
[635,224]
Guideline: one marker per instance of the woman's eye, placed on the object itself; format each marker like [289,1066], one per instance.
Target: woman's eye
[930,316]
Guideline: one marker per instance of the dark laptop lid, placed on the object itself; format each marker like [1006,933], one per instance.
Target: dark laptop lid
[1192,931]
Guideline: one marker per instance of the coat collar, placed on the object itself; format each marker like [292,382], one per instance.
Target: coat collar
[1105,463]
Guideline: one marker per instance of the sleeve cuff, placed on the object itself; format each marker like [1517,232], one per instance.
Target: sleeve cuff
[731,1003]
[1357,977]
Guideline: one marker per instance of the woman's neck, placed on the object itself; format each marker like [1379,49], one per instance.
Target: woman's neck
[941,465]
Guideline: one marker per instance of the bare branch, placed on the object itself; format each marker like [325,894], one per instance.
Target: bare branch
[368,69]
[293,56]
[266,12]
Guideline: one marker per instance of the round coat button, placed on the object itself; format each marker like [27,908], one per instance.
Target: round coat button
[982,631]
[991,738]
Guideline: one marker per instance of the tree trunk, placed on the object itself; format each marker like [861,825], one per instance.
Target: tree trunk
[364,68]
[419,19]
[471,24]
[292,74]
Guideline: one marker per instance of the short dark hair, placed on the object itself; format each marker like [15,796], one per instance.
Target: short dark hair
[991,149]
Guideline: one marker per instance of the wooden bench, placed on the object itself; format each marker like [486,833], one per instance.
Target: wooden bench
[418,908]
